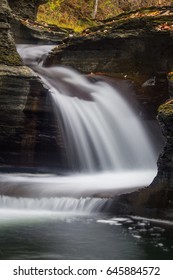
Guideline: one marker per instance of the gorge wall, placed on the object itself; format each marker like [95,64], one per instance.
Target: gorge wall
[28,132]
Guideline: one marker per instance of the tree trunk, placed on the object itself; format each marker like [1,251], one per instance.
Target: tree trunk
[95,9]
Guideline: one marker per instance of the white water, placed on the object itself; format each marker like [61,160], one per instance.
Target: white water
[81,185]
[54,204]
[101,133]
[100,130]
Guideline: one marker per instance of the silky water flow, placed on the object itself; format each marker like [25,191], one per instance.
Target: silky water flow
[107,147]
[108,153]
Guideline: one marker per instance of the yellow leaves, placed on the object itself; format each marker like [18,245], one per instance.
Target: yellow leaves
[154,13]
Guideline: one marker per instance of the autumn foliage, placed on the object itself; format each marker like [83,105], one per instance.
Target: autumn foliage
[77,14]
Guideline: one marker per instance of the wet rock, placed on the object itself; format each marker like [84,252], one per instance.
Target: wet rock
[165,162]
[154,201]
[29,135]
[157,199]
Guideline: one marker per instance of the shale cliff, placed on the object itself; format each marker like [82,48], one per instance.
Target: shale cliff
[133,43]
[28,132]
[27,30]
[8,54]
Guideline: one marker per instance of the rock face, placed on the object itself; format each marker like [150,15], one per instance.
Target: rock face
[29,135]
[157,199]
[27,30]
[133,43]
[8,54]
[165,162]
[152,202]
[26,8]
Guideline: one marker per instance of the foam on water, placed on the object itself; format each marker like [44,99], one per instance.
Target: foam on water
[80,185]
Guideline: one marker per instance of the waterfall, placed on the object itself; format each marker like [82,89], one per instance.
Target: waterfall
[107,146]
[100,130]
[55,204]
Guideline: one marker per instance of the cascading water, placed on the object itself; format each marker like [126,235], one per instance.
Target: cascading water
[107,147]
[102,133]
[100,130]
[48,216]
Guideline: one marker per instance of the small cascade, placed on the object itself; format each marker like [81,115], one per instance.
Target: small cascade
[55,204]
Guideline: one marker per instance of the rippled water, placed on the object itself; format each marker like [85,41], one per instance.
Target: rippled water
[54,235]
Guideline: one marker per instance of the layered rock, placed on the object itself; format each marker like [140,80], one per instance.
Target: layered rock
[27,30]
[29,135]
[28,131]
[8,54]
[26,8]
[133,43]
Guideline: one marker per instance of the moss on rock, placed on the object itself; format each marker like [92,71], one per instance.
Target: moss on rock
[167,109]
